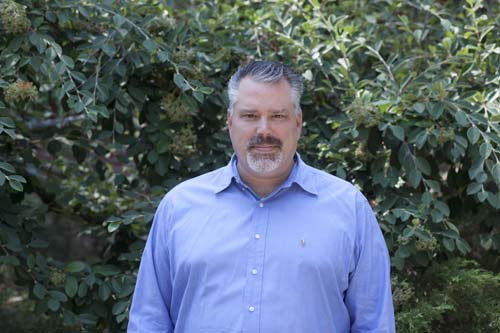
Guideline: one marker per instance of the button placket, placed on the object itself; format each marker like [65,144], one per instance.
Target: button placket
[253,288]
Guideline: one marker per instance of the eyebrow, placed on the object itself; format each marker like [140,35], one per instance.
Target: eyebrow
[253,111]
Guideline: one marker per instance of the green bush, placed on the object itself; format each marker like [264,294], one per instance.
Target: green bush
[105,105]
[456,296]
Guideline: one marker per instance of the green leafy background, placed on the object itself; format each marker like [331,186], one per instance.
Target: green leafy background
[105,105]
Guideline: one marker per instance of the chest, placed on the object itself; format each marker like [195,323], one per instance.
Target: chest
[300,237]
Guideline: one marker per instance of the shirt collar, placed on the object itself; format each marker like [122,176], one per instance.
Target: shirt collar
[302,175]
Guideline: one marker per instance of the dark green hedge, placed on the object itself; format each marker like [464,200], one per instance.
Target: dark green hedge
[105,105]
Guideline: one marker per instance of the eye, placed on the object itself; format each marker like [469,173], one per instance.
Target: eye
[279,116]
[249,116]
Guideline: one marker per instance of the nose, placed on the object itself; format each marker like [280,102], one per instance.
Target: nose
[263,127]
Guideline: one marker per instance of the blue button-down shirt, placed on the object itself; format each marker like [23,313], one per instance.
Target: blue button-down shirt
[308,258]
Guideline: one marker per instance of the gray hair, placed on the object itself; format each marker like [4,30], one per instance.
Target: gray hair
[268,72]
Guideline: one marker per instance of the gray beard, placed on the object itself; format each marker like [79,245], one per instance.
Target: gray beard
[264,163]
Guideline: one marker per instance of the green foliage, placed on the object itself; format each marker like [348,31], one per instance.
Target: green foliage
[453,297]
[105,105]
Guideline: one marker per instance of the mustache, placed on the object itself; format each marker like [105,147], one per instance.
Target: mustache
[260,140]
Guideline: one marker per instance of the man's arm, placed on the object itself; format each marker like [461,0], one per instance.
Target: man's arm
[369,297]
[150,310]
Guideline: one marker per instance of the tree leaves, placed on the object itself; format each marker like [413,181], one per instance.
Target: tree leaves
[181,82]
[75,266]
[414,125]
[473,134]
[71,286]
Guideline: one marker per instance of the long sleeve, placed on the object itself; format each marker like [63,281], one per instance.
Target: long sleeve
[153,291]
[369,298]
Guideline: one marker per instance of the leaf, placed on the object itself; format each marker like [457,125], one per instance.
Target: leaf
[152,157]
[206,90]
[104,291]
[79,153]
[75,267]
[39,291]
[495,172]
[57,295]
[398,132]
[119,307]
[403,251]
[67,61]
[421,139]
[7,167]
[53,304]
[163,56]
[494,201]
[442,207]
[119,20]
[7,122]
[109,50]
[434,185]
[315,3]
[449,244]
[2,178]
[90,280]
[415,177]
[436,215]
[461,118]
[121,317]
[10,133]
[423,165]
[426,198]
[71,286]
[70,318]
[15,185]
[113,226]
[83,288]
[481,196]
[180,82]
[485,150]
[88,319]
[462,246]
[199,96]
[419,107]
[460,140]
[18,178]
[78,107]
[473,188]
[30,261]
[106,270]
[150,45]
[473,134]
[36,40]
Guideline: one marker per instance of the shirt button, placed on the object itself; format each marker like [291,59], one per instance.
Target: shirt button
[251,308]
[261,204]
[257,236]
[254,271]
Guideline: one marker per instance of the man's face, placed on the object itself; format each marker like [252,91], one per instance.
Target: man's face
[264,128]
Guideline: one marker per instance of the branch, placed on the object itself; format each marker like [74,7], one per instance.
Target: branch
[58,122]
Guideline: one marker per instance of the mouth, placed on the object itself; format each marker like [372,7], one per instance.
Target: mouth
[264,148]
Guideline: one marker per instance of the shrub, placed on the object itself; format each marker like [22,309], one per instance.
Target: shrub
[105,105]
[456,296]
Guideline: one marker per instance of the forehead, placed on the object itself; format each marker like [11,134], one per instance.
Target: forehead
[261,95]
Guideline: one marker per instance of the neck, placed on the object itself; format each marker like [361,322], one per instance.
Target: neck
[263,185]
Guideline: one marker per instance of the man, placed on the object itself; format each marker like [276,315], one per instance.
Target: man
[266,244]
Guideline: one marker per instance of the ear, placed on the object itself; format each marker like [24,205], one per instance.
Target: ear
[299,122]
[229,120]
